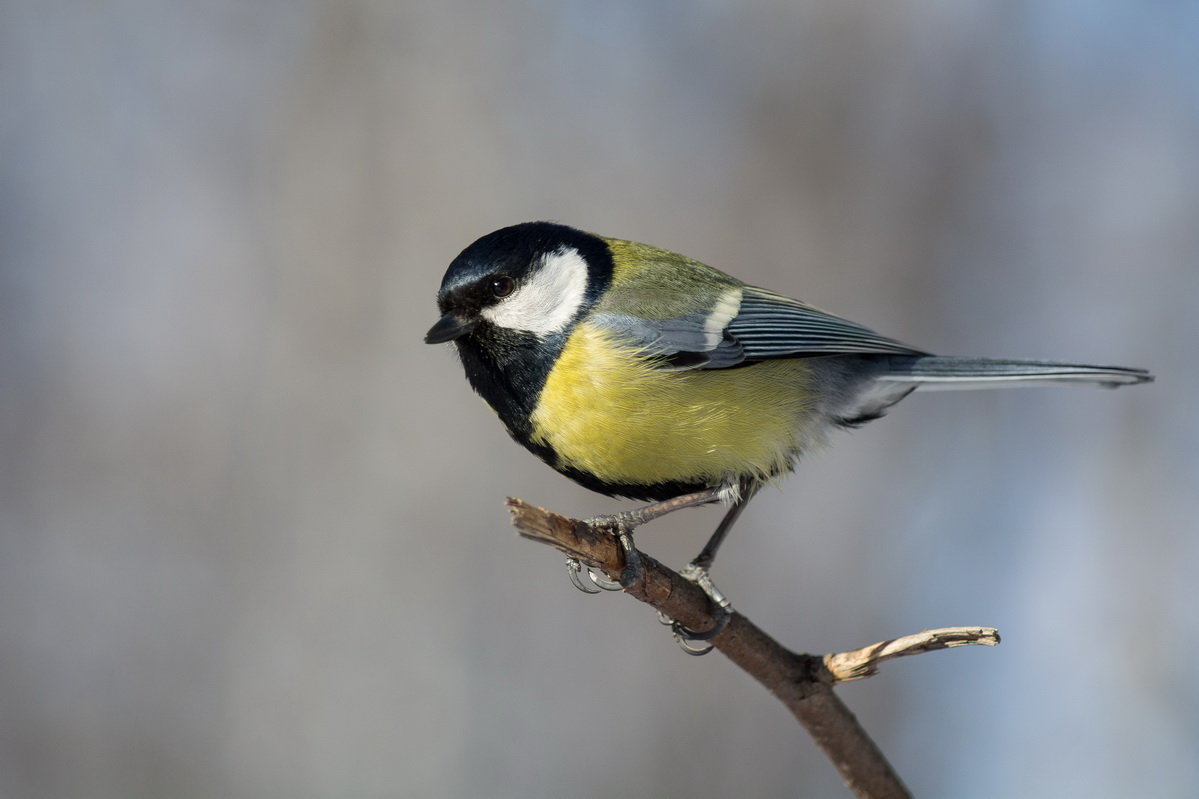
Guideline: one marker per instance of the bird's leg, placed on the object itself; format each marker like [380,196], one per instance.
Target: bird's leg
[697,572]
[622,525]
[703,561]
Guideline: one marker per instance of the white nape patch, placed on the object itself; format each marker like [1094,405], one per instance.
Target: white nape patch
[546,301]
[722,313]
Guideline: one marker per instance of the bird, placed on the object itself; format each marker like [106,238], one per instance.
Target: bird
[638,372]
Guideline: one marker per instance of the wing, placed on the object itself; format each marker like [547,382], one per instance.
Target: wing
[749,324]
[769,325]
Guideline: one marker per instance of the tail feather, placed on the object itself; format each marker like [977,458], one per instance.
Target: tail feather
[947,372]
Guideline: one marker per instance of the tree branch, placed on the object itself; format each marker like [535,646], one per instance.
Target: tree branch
[803,683]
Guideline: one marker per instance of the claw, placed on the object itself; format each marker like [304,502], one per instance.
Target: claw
[685,644]
[695,650]
[575,569]
[603,582]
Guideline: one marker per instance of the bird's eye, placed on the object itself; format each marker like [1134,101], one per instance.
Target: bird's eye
[502,286]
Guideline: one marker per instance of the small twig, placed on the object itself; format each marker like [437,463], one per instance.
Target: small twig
[801,682]
[846,666]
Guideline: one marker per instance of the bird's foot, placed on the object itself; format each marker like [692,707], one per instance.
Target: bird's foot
[621,526]
[683,635]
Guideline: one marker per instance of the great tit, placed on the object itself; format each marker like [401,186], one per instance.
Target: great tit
[642,373]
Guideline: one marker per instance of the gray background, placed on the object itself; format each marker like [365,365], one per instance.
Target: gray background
[252,540]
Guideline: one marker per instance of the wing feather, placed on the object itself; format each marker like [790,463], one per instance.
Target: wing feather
[761,326]
[770,325]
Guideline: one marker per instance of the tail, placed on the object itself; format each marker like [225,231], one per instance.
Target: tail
[940,372]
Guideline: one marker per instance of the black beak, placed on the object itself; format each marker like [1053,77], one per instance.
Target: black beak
[450,327]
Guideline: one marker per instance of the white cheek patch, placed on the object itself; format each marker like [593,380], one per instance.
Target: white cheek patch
[547,301]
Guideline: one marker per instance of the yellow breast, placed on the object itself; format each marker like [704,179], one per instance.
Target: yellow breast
[609,412]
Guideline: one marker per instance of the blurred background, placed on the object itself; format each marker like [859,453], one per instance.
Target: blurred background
[252,534]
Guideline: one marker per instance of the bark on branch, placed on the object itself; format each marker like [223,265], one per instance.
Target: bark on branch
[802,682]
